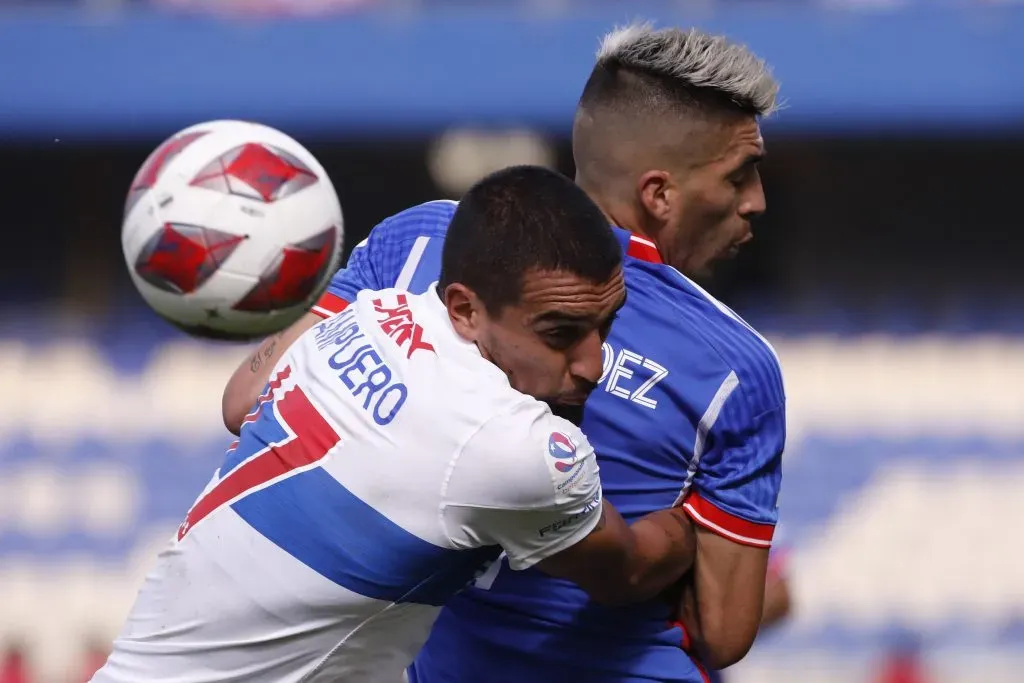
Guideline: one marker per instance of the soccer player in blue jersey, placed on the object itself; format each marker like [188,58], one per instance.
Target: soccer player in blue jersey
[777,598]
[690,407]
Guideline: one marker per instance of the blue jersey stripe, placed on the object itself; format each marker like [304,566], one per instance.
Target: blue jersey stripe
[255,435]
[350,543]
[429,266]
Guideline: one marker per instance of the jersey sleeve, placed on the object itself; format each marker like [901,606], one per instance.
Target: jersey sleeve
[526,481]
[736,487]
[402,251]
[363,271]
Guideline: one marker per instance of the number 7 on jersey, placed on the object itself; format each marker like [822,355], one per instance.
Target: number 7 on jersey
[309,439]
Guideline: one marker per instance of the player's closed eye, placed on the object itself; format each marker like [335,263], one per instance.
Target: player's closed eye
[562,337]
[744,174]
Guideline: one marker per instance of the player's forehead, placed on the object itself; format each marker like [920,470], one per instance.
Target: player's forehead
[718,143]
[557,295]
[743,141]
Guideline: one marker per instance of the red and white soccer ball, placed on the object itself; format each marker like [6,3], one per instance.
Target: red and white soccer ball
[231,230]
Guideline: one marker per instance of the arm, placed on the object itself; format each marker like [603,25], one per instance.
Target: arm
[777,607]
[734,504]
[247,381]
[727,588]
[508,488]
[619,564]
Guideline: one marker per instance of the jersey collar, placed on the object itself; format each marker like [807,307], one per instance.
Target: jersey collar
[637,247]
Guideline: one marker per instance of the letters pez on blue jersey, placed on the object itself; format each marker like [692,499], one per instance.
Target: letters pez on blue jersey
[630,376]
[360,368]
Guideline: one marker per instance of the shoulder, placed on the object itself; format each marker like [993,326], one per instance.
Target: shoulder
[426,220]
[395,246]
[535,459]
[429,219]
[705,322]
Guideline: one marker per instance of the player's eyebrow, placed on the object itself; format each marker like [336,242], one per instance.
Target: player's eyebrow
[564,317]
[752,159]
[575,318]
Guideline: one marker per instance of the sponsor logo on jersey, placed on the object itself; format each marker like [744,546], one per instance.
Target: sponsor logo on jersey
[563,450]
[592,504]
[397,322]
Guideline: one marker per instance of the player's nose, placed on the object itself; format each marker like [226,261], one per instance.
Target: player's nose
[586,364]
[753,203]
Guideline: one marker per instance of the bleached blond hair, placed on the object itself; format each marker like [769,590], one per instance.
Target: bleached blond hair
[694,60]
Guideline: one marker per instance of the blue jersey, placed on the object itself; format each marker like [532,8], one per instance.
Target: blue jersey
[690,408]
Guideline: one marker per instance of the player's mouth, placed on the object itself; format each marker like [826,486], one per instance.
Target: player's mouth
[734,249]
[747,236]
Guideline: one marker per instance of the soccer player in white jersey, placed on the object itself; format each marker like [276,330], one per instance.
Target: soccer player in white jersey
[666,140]
[400,446]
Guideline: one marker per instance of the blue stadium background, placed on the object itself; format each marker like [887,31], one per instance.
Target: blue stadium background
[887,273]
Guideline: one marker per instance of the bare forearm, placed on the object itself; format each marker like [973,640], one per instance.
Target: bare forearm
[723,609]
[262,361]
[620,564]
[247,381]
[254,372]
[665,549]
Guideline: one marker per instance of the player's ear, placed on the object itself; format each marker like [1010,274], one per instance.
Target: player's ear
[464,310]
[655,190]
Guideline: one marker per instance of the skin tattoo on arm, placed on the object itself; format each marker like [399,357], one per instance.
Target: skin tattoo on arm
[264,353]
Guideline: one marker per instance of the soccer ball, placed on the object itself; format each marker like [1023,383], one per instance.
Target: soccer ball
[231,230]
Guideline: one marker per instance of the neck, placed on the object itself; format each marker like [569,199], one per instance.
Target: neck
[623,217]
[618,213]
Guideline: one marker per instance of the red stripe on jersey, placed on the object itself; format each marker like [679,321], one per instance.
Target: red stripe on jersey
[312,438]
[684,644]
[643,249]
[726,525]
[700,669]
[328,305]
[272,386]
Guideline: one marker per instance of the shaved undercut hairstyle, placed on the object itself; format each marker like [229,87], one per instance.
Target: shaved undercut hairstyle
[522,219]
[645,76]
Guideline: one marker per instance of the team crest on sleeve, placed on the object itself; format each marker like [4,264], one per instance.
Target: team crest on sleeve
[563,450]
[565,462]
